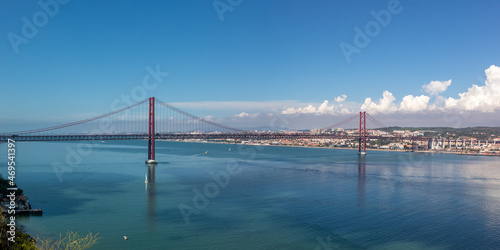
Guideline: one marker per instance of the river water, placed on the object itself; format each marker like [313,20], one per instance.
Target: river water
[221,196]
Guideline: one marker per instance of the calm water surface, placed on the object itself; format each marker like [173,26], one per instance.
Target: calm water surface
[217,196]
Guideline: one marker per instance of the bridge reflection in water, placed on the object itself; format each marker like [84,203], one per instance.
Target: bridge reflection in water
[150,189]
[361,180]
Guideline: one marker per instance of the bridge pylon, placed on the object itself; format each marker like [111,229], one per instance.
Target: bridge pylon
[151,132]
[362,133]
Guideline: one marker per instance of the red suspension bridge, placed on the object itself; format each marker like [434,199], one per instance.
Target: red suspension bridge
[166,122]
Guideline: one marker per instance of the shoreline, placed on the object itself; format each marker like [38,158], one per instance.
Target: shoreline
[345,148]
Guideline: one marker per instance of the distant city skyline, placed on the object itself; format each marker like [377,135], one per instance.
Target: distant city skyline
[245,63]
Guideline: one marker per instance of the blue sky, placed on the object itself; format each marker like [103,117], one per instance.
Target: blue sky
[265,56]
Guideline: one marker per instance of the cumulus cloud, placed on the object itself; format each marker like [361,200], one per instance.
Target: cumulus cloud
[322,109]
[340,99]
[484,98]
[436,87]
[480,98]
[245,115]
[438,104]
[242,114]
[310,109]
[412,103]
[384,104]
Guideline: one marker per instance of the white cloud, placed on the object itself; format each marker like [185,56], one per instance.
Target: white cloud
[412,103]
[340,99]
[247,115]
[438,104]
[324,108]
[310,109]
[483,99]
[436,87]
[321,109]
[384,105]
[242,114]
[479,98]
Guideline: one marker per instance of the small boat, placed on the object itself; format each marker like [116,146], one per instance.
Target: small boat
[206,152]
[125,237]
[229,149]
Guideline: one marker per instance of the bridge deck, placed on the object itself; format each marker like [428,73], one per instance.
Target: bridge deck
[192,136]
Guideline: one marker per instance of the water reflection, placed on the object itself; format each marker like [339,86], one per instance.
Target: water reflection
[361,180]
[151,173]
[150,188]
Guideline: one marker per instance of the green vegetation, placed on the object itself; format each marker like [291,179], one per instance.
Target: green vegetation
[22,240]
[381,142]
[72,241]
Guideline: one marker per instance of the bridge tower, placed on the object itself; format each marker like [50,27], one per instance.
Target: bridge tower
[362,133]
[151,132]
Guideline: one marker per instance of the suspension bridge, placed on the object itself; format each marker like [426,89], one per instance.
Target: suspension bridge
[152,119]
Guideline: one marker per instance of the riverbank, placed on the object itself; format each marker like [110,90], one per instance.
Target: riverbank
[13,200]
[342,148]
